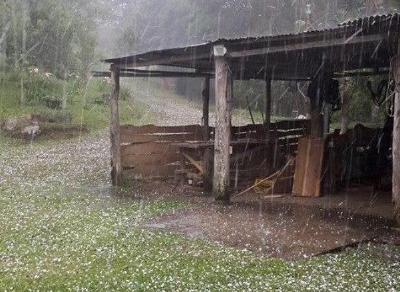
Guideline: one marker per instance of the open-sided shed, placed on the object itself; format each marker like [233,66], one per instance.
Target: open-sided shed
[368,46]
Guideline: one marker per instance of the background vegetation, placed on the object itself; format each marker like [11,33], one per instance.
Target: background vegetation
[67,38]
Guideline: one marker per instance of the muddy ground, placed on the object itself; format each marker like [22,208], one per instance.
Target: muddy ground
[284,227]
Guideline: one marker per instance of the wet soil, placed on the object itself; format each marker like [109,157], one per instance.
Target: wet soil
[284,227]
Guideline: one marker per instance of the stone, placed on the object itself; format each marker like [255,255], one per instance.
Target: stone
[31,130]
[10,124]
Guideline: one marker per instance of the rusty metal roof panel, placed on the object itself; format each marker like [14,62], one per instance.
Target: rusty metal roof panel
[200,57]
[367,25]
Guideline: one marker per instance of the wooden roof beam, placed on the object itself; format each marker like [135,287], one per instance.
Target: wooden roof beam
[156,74]
[375,38]
[136,62]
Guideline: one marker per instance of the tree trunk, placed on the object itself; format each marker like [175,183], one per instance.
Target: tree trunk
[396,140]
[222,131]
[116,169]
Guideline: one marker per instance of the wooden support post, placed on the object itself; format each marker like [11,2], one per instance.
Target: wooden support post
[207,154]
[267,109]
[396,139]
[116,168]
[222,128]
[327,114]
[316,124]
[345,107]
[205,92]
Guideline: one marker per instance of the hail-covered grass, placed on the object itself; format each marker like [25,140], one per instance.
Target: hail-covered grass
[62,228]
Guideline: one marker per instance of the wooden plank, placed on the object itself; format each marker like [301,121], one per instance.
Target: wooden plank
[172,138]
[165,73]
[309,167]
[188,57]
[150,171]
[302,152]
[287,127]
[147,148]
[294,132]
[292,124]
[194,162]
[150,74]
[152,129]
[250,127]
[249,135]
[150,159]
[256,131]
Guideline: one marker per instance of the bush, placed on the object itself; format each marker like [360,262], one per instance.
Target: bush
[361,105]
[63,117]
[44,91]
[125,94]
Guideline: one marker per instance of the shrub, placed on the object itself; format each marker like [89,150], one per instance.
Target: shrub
[45,91]
[125,94]
[63,117]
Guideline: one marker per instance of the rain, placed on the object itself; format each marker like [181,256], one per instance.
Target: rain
[199,145]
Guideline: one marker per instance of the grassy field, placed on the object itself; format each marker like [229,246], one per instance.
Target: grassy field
[63,228]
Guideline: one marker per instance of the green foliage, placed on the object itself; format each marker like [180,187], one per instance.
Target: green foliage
[57,35]
[125,93]
[66,102]
[43,90]
[62,117]
[362,109]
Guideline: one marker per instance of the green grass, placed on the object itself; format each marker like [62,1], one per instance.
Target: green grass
[64,228]
[87,104]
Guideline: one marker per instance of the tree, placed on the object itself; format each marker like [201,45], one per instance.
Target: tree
[54,34]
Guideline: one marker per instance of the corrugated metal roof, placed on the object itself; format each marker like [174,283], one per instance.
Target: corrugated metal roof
[273,50]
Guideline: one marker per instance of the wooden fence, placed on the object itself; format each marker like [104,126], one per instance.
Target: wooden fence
[149,151]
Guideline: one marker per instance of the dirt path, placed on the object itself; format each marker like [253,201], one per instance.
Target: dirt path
[172,110]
